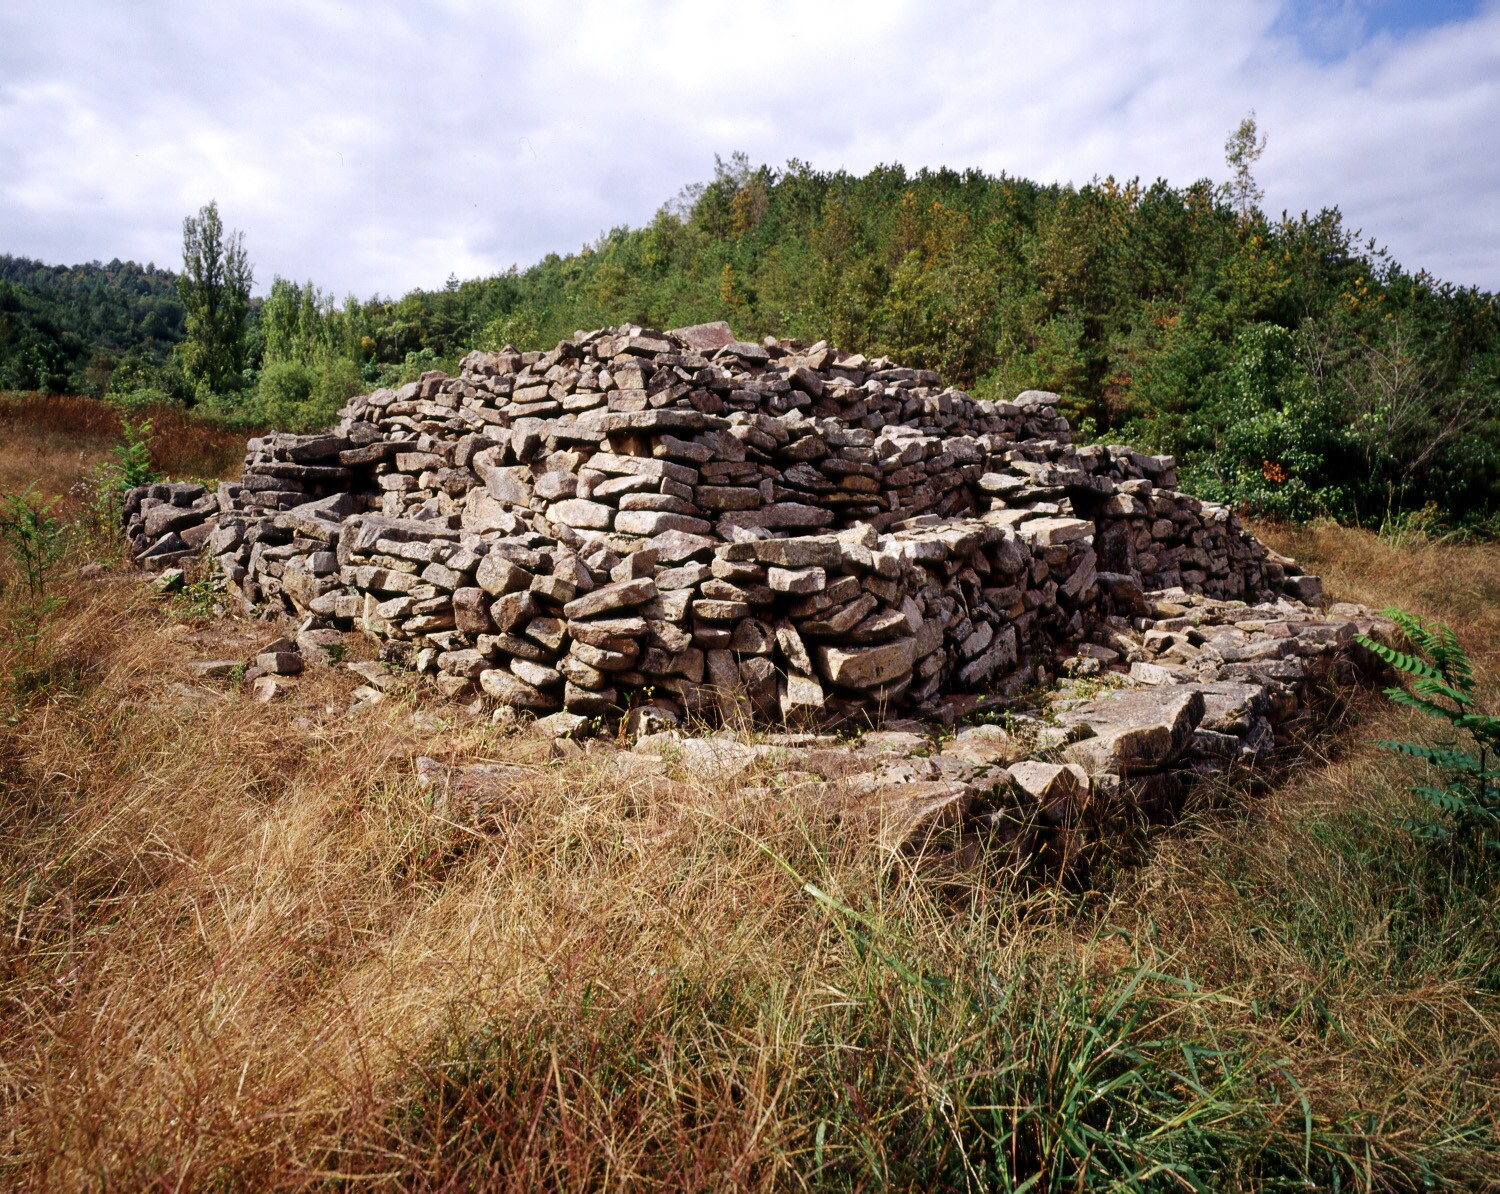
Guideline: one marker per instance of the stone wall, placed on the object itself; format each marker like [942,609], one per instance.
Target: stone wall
[780,531]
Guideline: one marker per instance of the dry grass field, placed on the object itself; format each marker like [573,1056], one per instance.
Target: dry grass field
[241,949]
[56,442]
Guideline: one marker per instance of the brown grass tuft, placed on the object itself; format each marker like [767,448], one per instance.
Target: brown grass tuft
[1458,583]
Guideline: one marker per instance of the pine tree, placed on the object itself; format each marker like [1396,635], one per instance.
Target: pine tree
[1241,152]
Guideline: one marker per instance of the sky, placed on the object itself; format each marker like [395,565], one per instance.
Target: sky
[374,147]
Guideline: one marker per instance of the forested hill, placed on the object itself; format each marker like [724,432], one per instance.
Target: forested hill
[65,328]
[1293,368]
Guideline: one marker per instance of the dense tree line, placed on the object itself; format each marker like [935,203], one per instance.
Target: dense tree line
[65,329]
[1292,367]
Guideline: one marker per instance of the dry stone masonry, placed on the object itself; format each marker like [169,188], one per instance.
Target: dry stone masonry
[664,526]
[794,530]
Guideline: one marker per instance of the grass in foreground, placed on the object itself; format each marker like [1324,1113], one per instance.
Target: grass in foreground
[239,950]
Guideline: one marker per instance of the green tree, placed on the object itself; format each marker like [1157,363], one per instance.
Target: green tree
[214,287]
[1241,152]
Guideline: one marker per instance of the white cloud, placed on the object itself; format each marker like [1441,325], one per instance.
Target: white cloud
[375,147]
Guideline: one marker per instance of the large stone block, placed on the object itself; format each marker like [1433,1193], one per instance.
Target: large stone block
[623,594]
[864,667]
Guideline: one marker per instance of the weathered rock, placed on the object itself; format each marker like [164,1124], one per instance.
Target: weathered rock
[267,688]
[984,744]
[582,514]
[864,667]
[510,689]
[1058,792]
[800,697]
[911,814]
[736,505]
[279,663]
[624,594]
[797,580]
[1136,729]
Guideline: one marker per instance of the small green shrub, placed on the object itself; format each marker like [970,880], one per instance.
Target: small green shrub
[1466,791]
[284,390]
[199,598]
[132,453]
[305,397]
[34,541]
[100,495]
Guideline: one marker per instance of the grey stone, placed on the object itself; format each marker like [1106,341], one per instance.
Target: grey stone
[582,514]
[656,522]
[1136,729]
[1057,791]
[619,595]
[797,580]
[279,663]
[864,667]
[822,551]
[510,689]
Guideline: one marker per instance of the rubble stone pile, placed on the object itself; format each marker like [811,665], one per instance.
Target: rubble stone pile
[776,531]
[1210,690]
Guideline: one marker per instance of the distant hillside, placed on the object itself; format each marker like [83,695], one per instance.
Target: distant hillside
[1294,368]
[63,329]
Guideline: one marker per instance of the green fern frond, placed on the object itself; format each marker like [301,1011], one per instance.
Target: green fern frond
[1455,662]
[1401,697]
[1409,665]
[1444,798]
[1427,831]
[1412,626]
[1460,803]
[1440,644]
[1441,688]
[1482,726]
[1450,760]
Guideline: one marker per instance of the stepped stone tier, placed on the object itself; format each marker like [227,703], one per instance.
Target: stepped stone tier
[689,523]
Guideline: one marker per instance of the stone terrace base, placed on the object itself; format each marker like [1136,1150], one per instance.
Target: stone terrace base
[1199,690]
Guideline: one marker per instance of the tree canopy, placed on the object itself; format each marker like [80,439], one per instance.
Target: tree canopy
[64,329]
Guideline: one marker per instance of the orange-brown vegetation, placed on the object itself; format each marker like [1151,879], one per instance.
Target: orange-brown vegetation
[242,947]
[54,442]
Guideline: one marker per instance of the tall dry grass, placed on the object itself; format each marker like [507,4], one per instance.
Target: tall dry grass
[55,441]
[242,947]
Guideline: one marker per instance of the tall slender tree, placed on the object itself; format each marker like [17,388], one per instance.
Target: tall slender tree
[1241,152]
[215,288]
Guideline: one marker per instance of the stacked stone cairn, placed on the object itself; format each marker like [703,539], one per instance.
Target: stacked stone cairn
[775,532]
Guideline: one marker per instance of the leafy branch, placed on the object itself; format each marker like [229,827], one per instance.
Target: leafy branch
[1467,792]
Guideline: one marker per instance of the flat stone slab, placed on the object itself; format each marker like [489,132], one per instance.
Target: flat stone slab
[1135,729]
[621,594]
[864,667]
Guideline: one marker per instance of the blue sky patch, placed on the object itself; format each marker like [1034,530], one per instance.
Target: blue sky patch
[1330,30]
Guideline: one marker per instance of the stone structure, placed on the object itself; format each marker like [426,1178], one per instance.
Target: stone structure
[786,532]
